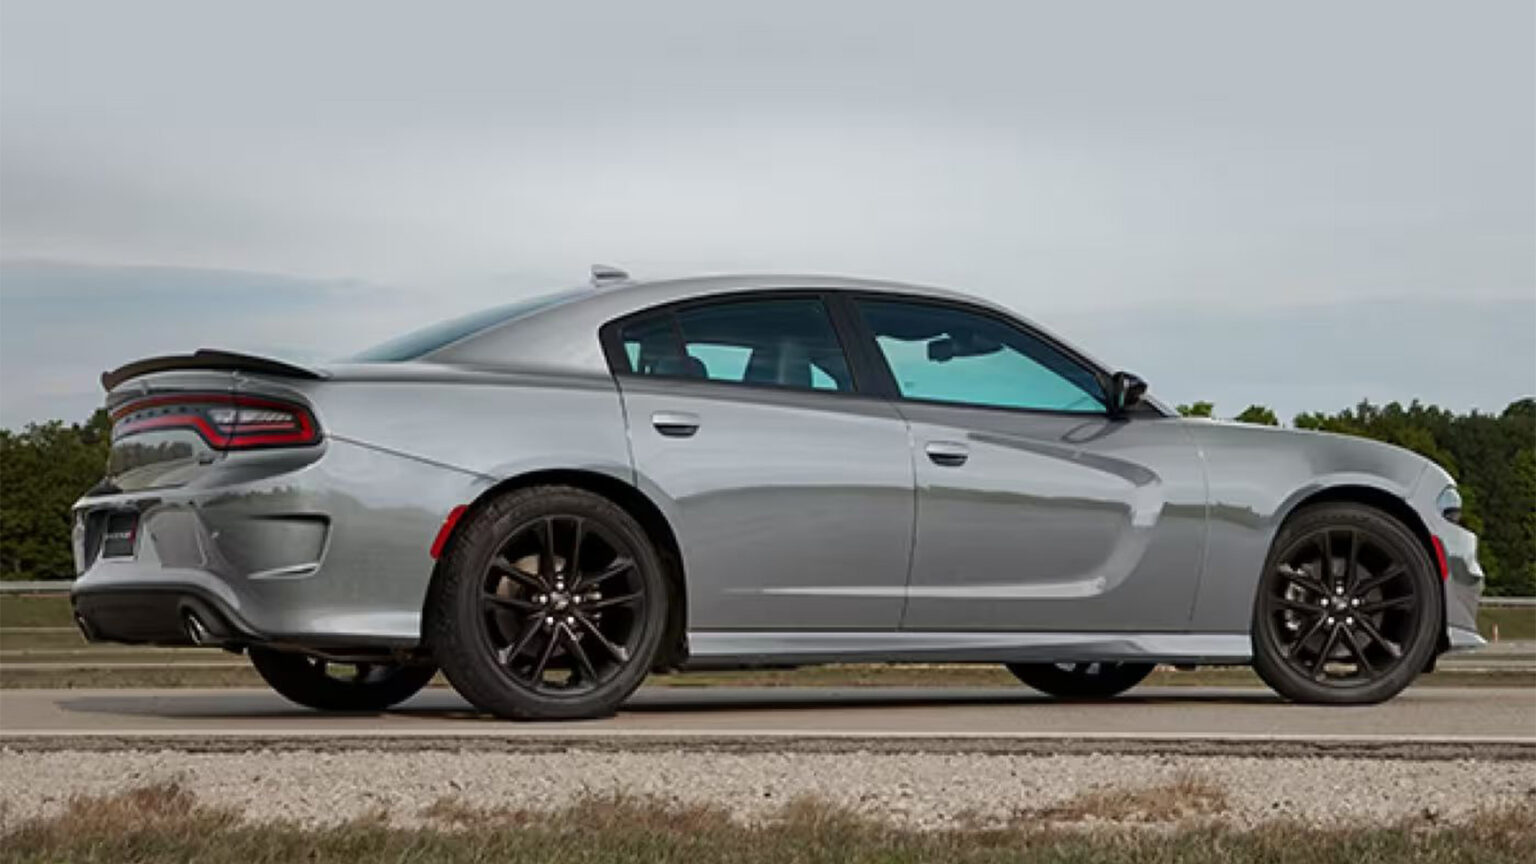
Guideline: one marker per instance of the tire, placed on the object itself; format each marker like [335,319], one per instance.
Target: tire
[1357,630]
[310,681]
[550,604]
[1081,681]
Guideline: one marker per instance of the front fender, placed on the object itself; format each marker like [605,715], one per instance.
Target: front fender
[1256,477]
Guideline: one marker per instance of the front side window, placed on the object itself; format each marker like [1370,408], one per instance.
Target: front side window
[943,354]
[781,342]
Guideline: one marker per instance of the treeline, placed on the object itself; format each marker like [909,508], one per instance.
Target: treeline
[45,467]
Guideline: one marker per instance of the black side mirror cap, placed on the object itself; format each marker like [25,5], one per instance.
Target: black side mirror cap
[1125,392]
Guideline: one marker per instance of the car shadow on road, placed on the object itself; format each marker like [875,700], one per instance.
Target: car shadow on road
[441,703]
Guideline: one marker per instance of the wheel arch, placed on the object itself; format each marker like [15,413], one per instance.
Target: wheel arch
[632,501]
[1369,496]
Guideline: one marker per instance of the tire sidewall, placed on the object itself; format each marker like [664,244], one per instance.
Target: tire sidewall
[1383,529]
[458,627]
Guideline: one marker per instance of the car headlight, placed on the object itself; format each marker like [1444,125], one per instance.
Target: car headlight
[1449,504]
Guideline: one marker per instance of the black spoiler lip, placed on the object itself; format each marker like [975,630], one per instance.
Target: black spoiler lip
[206,358]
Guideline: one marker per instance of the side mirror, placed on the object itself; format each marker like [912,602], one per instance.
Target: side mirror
[1125,392]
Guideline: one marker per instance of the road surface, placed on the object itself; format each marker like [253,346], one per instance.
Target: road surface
[1420,715]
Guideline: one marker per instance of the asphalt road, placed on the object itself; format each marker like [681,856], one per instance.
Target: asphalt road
[1423,714]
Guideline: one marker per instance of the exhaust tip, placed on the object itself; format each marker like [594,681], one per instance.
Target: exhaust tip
[197,631]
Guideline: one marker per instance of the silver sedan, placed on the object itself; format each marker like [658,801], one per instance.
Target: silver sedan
[548,500]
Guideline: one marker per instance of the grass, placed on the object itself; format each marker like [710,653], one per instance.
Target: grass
[165,823]
[1187,796]
[1514,622]
[35,610]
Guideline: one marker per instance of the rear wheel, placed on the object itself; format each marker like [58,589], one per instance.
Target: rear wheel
[329,686]
[1081,680]
[1349,607]
[551,604]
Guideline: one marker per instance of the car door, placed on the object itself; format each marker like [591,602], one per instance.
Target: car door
[790,491]
[1036,510]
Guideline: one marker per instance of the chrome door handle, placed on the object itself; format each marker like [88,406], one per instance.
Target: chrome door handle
[675,424]
[950,454]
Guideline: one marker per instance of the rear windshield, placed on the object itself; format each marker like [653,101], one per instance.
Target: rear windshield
[419,343]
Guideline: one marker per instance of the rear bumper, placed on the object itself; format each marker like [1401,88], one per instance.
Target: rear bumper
[333,551]
[185,615]
[159,616]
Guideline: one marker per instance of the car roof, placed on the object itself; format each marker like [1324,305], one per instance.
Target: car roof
[563,335]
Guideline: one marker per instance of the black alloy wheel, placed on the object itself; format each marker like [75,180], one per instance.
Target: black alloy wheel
[556,603]
[556,627]
[1348,607]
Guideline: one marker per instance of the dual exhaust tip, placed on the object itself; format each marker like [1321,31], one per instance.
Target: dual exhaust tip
[197,631]
[165,621]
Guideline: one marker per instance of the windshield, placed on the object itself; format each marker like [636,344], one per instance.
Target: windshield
[419,343]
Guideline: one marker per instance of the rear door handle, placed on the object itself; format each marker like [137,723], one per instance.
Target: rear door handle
[950,454]
[675,424]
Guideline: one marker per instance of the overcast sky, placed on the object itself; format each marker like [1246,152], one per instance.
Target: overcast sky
[1298,204]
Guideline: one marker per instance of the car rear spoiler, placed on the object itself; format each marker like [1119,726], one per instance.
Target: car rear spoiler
[206,358]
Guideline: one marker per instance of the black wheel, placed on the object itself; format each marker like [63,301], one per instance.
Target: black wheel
[550,605]
[1081,680]
[329,686]
[1348,608]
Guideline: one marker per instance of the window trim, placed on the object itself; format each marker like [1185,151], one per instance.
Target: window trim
[887,378]
[618,359]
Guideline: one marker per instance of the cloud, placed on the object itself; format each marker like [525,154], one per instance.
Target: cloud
[1215,162]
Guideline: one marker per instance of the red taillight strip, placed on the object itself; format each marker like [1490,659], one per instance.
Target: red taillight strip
[446,531]
[1440,559]
[258,436]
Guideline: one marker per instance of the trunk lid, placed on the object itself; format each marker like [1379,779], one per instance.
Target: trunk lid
[175,418]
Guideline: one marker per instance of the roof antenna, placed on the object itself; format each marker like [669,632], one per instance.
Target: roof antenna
[602,274]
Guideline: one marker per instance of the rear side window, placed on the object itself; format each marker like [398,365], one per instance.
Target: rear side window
[781,342]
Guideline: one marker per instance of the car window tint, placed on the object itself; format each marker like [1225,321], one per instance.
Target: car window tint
[945,354]
[781,342]
[651,345]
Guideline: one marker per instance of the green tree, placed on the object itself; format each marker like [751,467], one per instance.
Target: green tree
[43,469]
[1198,409]
[1258,414]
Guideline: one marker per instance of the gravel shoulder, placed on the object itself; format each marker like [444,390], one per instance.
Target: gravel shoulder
[925,790]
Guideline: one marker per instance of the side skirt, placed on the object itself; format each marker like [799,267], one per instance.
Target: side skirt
[748,648]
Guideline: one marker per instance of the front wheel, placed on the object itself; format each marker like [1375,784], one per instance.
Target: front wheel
[1349,607]
[1081,680]
[326,686]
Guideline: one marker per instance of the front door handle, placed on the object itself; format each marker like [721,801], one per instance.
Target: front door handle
[950,454]
[675,424]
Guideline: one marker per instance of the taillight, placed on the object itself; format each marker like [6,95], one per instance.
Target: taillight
[225,421]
